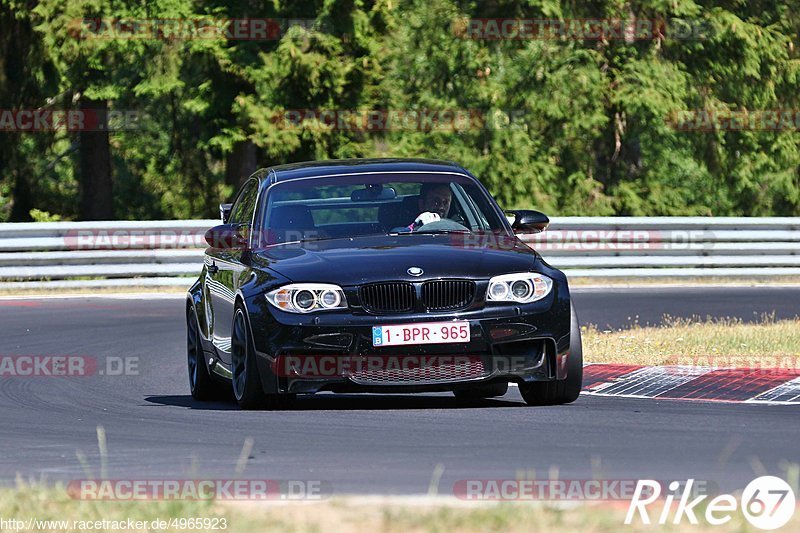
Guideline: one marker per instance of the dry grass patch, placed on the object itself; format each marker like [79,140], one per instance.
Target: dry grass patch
[722,342]
[92,291]
[348,514]
[684,281]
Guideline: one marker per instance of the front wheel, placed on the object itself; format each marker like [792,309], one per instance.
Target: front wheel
[245,378]
[560,391]
[201,384]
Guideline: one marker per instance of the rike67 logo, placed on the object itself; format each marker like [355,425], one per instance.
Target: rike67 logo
[768,502]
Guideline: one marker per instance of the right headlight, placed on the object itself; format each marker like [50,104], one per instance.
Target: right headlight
[525,287]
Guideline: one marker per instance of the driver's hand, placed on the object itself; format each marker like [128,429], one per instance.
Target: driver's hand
[426,218]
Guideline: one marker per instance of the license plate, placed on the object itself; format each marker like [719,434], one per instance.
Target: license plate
[422,333]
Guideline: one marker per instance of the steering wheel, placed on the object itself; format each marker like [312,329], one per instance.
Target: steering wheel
[444,224]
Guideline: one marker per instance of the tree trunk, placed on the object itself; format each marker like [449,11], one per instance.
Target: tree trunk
[240,163]
[21,193]
[94,163]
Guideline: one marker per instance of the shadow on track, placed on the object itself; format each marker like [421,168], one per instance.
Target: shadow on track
[348,402]
[189,402]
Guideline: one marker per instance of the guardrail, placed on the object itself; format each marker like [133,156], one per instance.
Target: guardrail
[160,253]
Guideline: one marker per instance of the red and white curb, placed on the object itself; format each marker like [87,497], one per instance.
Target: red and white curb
[675,382]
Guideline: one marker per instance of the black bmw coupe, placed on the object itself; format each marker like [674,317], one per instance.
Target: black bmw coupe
[390,275]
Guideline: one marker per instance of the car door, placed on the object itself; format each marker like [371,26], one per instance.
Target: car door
[223,269]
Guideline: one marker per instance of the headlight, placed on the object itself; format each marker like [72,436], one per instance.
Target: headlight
[308,297]
[523,288]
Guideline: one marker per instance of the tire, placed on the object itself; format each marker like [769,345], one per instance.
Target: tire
[482,391]
[246,380]
[560,391]
[202,386]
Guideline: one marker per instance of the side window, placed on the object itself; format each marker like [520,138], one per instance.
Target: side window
[242,210]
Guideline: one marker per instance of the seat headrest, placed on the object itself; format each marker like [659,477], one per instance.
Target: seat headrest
[396,214]
[297,217]
[411,203]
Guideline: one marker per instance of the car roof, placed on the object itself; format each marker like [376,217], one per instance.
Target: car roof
[347,166]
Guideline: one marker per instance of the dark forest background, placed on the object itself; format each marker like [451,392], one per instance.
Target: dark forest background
[588,130]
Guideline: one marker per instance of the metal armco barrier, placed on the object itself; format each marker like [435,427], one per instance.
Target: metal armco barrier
[161,253]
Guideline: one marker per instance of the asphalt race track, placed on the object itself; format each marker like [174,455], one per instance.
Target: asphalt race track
[363,443]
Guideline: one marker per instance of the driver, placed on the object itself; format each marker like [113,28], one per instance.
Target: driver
[434,204]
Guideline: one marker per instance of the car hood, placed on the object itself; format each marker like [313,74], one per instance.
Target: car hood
[358,260]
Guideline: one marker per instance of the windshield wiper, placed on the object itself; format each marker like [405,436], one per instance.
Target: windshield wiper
[432,232]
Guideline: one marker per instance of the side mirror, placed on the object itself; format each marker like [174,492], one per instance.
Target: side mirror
[228,236]
[225,212]
[529,221]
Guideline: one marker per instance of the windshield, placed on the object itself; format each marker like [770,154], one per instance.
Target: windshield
[377,204]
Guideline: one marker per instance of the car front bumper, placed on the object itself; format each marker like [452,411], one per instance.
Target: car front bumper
[334,351]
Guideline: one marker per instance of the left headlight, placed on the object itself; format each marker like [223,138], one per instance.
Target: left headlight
[308,297]
[524,287]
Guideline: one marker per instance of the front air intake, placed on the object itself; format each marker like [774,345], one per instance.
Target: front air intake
[387,298]
[447,295]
